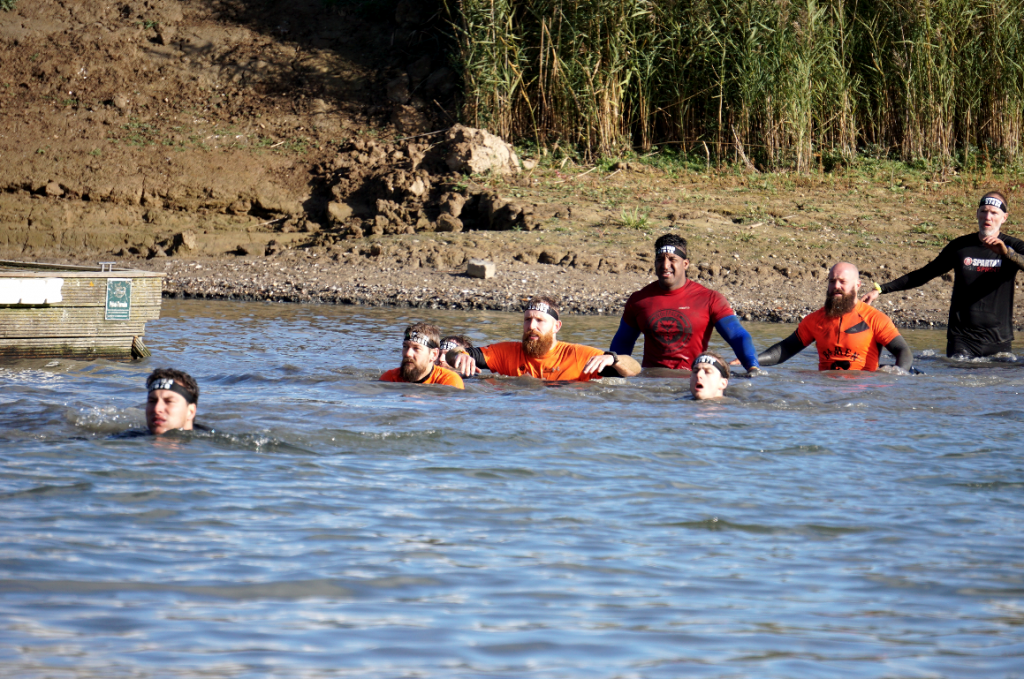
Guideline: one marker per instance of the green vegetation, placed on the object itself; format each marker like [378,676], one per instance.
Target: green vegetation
[8,5]
[633,219]
[787,85]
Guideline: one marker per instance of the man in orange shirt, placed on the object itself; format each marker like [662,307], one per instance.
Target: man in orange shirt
[849,333]
[540,354]
[419,353]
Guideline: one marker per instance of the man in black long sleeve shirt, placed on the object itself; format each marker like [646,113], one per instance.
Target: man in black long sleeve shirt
[984,267]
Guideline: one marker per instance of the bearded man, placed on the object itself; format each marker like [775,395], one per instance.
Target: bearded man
[540,354]
[420,349]
[849,333]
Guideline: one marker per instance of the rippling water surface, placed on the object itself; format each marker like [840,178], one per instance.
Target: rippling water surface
[819,525]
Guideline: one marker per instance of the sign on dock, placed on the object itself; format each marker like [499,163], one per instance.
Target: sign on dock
[119,299]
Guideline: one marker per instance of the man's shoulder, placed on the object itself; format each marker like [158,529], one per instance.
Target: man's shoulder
[871,314]
[1014,242]
[652,289]
[563,348]
[444,376]
[393,375]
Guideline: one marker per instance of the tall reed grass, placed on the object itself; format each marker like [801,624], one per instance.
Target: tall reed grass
[789,83]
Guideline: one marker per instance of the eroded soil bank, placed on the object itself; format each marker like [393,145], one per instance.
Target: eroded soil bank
[302,154]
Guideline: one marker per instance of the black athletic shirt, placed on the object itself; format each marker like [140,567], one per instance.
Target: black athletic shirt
[981,308]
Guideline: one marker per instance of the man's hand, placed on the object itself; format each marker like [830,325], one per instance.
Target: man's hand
[870,297]
[465,365]
[597,364]
[995,245]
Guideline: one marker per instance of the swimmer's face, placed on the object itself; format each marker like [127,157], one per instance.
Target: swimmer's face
[167,410]
[417,360]
[537,325]
[670,270]
[990,219]
[843,280]
[706,382]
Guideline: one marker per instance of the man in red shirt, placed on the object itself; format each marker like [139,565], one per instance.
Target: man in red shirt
[540,354]
[849,333]
[675,315]
[420,349]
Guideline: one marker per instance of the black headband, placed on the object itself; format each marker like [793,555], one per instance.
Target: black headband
[167,384]
[994,202]
[542,307]
[449,344]
[705,358]
[672,250]
[420,338]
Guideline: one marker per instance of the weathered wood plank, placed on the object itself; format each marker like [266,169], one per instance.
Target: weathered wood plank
[70,322]
[14,268]
[84,348]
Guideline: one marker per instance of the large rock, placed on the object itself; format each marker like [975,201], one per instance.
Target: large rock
[472,151]
[480,268]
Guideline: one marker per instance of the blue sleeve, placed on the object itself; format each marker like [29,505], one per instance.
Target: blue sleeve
[739,339]
[625,339]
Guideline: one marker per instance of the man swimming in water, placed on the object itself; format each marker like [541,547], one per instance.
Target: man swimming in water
[710,377]
[172,401]
[849,334]
[985,266]
[420,349]
[675,315]
[540,354]
[452,342]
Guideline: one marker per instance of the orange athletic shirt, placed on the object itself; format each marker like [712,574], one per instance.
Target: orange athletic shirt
[565,361]
[438,375]
[851,342]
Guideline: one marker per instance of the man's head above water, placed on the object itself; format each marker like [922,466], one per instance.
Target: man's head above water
[843,284]
[172,400]
[540,325]
[709,377]
[420,350]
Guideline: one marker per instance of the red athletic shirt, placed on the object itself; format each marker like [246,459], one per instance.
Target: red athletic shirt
[851,342]
[438,375]
[676,325]
[565,361]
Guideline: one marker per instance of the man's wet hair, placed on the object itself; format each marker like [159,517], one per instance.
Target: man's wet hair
[182,378]
[671,240]
[428,330]
[544,299]
[461,340]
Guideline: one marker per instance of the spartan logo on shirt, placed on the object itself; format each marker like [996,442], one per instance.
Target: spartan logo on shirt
[976,264]
[672,328]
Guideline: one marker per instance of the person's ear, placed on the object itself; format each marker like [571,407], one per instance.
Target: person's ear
[558,326]
[191,411]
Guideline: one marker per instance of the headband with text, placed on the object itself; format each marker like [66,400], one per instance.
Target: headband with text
[994,202]
[420,338]
[543,308]
[167,384]
[711,360]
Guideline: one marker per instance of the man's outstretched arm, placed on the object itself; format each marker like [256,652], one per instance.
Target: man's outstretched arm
[740,341]
[782,351]
[625,339]
[901,350]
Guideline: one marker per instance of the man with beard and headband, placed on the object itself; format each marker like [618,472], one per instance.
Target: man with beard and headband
[676,315]
[849,333]
[985,266]
[420,349]
[540,354]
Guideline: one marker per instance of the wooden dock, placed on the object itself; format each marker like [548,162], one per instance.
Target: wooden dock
[61,311]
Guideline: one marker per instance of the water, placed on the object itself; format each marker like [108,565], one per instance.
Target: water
[840,525]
